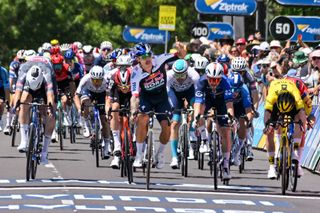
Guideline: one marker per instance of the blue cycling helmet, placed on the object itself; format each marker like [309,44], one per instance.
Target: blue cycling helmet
[142,49]
[115,53]
[223,58]
[180,66]
[236,81]
[69,54]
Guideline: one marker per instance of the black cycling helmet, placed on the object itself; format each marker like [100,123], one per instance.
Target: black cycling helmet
[285,102]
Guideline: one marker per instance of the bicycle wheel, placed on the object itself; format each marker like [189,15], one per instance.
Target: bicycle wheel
[284,167]
[14,130]
[30,152]
[35,155]
[60,128]
[242,158]
[128,162]
[96,140]
[149,157]
[214,159]
[293,176]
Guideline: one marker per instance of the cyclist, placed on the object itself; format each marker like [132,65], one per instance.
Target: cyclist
[181,81]
[242,105]
[112,57]
[105,49]
[283,99]
[93,87]
[119,96]
[13,76]
[36,79]
[4,92]
[214,90]
[200,64]
[148,87]
[75,68]
[88,57]
[224,60]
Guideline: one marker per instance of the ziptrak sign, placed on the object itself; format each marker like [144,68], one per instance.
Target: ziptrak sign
[226,7]
[147,35]
[289,27]
[218,30]
[300,2]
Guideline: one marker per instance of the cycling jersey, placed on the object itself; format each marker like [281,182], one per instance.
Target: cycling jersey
[249,79]
[241,101]
[190,81]
[281,85]
[100,61]
[77,71]
[151,85]
[86,85]
[45,66]
[4,78]
[62,74]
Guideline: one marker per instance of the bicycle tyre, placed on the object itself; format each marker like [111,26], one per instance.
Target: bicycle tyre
[149,157]
[293,173]
[284,167]
[214,163]
[30,152]
[128,163]
[60,129]
[242,158]
[96,141]
[34,162]
[14,130]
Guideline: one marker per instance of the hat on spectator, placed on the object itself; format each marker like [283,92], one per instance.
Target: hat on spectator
[241,41]
[266,60]
[292,72]
[204,40]
[275,43]
[253,43]
[264,46]
[226,39]
[299,57]
[306,50]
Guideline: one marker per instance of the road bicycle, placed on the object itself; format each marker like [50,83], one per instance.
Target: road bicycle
[36,133]
[127,147]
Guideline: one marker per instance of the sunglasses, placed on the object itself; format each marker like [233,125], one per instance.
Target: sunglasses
[22,60]
[214,80]
[96,81]
[106,49]
[57,66]
[265,66]
[180,75]
[315,58]
[145,56]
[240,44]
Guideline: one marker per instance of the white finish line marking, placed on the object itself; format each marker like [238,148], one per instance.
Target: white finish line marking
[162,191]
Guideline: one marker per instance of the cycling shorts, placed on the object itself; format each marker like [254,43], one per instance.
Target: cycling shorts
[99,97]
[220,105]
[147,105]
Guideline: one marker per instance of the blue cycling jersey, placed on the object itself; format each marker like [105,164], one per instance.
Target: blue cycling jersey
[77,71]
[4,78]
[205,91]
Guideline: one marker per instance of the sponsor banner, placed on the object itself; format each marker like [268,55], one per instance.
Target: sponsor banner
[219,30]
[258,125]
[167,17]
[147,35]
[308,27]
[226,7]
[300,2]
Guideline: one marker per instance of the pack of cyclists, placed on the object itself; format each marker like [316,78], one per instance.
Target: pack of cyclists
[222,77]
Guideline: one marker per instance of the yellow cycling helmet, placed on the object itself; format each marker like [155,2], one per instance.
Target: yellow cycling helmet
[285,102]
[54,42]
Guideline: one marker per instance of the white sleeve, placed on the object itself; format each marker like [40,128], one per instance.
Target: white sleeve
[169,79]
[82,83]
[135,80]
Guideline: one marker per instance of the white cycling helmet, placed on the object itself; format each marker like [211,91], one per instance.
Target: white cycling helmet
[200,63]
[96,72]
[238,64]
[46,46]
[29,53]
[214,70]
[87,49]
[78,44]
[124,60]
[34,77]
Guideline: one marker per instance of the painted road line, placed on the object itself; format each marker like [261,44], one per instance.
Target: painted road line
[163,191]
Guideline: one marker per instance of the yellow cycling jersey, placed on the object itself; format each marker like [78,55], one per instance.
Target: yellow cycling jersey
[281,85]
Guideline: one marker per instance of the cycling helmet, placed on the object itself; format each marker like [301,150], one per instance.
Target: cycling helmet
[34,77]
[124,60]
[106,45]
[285,102]
[69,54]
[87,49]
[96,72]
[56,59]
[65,47]
[180,66]
[214,70]
[236,81]
[115,54]
[20,54]
[142,49]
[238,64]
[122,80]
[29,53]
[223,58]
[78,44]
[46,47]
[54,42]
[193,57]
[200,63]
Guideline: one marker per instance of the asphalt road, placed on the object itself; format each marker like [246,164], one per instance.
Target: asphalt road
[72,183]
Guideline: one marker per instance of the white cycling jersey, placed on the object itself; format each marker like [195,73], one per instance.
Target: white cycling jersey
[191,80]
[86,84]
